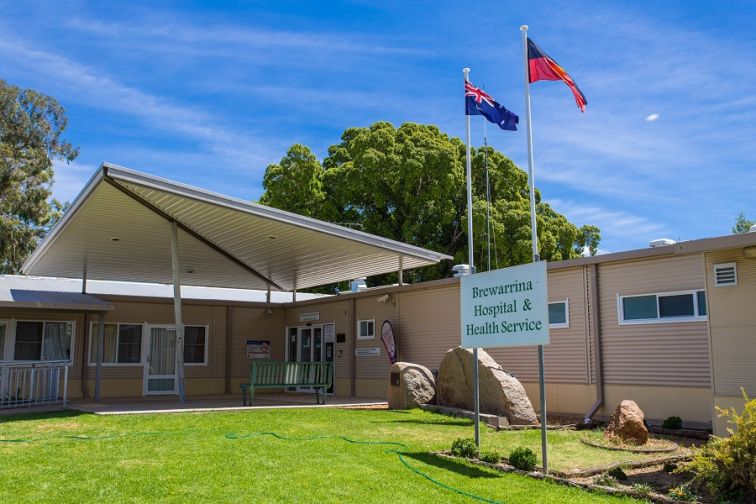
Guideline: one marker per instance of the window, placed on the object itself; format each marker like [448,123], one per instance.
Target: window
[725,275]
[43,341]
[2,340]
[366,329]
[195,345]
[686,306]
[559,315]
[122,344]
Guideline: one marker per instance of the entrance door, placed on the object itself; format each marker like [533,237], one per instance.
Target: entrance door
[305,348]
[309,344]
[160,369]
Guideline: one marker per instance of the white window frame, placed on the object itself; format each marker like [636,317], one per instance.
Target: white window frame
[659,319]
[92,336]
[207,345]
[566,324]
[5,349]
[145,342]
[359,336]
[726,265]
[12,346]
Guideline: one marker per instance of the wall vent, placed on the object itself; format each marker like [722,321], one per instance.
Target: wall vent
[725,275]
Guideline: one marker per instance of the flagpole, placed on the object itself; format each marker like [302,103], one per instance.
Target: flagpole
[534,234]
[488,197]
[471,260]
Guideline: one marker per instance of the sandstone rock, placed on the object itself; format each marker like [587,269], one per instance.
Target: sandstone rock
[415,386]
[501,393]
[627,424]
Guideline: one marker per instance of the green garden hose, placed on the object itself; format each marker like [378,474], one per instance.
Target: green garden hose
[316,437]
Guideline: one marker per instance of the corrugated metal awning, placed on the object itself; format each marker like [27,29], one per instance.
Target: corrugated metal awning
[118,229]
[50,300]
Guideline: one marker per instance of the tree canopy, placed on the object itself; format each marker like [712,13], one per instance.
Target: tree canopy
[742,225]
[31,128]
[408,184]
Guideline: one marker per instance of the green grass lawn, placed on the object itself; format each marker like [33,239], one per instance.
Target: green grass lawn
[189,457]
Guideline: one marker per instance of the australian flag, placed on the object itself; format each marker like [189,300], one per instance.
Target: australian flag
[478,102]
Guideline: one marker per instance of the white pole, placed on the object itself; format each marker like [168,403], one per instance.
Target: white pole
[100,351]
[488,199]
[471,260]
[177,313]
[534,234]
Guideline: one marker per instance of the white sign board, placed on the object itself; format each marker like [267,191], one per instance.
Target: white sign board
[367,352]
[309,317]
[505,307]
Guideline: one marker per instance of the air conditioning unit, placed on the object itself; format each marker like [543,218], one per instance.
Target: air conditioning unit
[661,242]
[359,284]
[461,270]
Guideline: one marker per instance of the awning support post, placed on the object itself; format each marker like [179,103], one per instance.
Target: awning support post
[177,313]
[401,270]
[100,351]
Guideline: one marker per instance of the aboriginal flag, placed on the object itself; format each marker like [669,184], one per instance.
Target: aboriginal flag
[542,67]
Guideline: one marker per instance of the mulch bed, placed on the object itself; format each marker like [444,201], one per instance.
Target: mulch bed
[653,446]
[586,483]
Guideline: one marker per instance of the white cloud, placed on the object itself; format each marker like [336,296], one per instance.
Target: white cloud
[70,178]
[652,117]
[616,225]
[235,148]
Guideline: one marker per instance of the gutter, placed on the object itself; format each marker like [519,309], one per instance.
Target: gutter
[595,321]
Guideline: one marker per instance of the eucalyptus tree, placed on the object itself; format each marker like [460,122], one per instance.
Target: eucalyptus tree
[31,128]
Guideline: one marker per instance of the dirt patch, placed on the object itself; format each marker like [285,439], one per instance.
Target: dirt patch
[56,426]
[367,407]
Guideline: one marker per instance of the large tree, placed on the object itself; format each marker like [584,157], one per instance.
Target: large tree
[408,184]
[31,128]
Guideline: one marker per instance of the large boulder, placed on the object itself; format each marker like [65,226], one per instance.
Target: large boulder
[501,393]
[410,386]
[627,424]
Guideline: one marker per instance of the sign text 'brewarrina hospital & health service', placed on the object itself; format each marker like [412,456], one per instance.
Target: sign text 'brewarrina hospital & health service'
[505,307]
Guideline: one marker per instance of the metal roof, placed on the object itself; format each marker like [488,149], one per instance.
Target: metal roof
[14,284]
[17,293]
[118,229]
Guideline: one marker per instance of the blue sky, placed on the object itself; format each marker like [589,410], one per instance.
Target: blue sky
[210,93]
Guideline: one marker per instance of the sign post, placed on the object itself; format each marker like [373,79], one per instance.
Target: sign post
[506,307]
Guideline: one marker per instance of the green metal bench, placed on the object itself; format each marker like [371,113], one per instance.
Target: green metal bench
[279,374]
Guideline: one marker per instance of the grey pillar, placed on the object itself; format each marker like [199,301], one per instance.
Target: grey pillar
[100,352]
[177,313]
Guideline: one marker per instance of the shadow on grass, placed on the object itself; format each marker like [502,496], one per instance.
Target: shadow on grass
[451,465]
[457,423]
[11,416]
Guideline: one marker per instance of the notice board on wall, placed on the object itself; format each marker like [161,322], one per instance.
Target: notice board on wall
[258,349]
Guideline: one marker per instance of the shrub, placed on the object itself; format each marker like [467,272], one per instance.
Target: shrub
[492,457]
[643,488]
[727,466]
[682,493]
[673,422]
[464,447]
[617,473]
[605,480]
[523,458]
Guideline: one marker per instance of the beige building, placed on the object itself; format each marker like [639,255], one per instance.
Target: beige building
[671,327]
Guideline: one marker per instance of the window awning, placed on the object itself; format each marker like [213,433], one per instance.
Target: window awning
[118,228]
[20,298]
